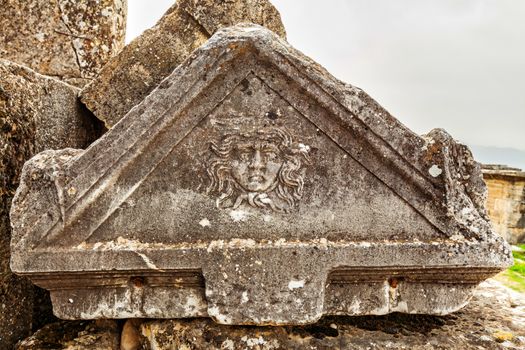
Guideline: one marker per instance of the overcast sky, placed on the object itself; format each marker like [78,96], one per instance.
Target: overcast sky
[454,64]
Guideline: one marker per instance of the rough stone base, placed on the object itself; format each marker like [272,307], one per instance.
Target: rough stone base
[165,302]
[83,335]
[494,319]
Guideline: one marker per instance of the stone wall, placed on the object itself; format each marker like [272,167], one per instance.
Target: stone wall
[46,48]
[506,201]
[37,113]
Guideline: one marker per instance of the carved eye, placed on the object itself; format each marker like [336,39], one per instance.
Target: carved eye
[244,155]
[269,155]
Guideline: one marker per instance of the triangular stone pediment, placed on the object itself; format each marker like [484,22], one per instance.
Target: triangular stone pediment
[256,167]
[247,157]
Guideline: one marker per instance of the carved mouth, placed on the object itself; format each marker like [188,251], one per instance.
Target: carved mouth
[256,178]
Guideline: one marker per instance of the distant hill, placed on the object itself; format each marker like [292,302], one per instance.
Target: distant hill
[496,155]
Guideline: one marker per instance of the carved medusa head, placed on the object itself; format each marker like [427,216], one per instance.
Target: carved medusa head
[263,168]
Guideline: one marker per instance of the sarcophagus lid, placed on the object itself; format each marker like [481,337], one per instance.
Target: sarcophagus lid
[253,187]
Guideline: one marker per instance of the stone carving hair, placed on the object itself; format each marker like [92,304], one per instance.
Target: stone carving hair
[285,190]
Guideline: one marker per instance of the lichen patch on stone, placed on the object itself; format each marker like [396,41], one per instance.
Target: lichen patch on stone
[435,170]
[205,222]
[239,215]
[295,284]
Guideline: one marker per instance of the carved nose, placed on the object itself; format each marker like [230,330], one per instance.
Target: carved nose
[256,162]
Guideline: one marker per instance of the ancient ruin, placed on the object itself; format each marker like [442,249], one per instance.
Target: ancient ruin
[253,187]
[506,201]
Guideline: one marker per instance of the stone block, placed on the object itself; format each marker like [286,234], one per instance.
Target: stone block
[213,15]
[253,187]
[146,61]
[36,113]
[506,201]
[69,40]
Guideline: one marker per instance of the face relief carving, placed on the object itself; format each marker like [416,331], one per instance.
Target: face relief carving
[256,164]
[263,168]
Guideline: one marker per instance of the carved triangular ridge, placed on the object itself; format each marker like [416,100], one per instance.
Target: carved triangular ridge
[66,196]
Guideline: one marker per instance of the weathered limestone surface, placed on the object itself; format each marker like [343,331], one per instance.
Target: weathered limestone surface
[253,187]
[98,335]
[494,319]
[67,39]
[146,61]
[506,201]
[213,15]
[36,113]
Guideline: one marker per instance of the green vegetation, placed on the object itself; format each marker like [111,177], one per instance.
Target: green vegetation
[514,277]
[519,262]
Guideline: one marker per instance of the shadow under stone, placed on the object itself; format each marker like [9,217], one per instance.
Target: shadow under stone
[395,323]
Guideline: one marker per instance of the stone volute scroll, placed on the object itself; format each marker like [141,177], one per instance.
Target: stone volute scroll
[253,187]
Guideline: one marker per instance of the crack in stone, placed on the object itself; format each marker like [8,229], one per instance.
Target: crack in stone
[71,34]
[77,55]
[201,27]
